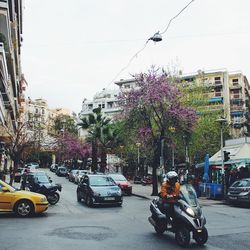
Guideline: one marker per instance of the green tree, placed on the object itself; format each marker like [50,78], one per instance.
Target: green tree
[65,124]
[95,124]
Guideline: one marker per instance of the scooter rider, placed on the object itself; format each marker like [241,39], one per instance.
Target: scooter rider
[170,191]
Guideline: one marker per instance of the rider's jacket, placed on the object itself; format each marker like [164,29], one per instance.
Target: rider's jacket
[169,193]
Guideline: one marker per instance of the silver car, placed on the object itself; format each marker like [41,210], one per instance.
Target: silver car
[239,192]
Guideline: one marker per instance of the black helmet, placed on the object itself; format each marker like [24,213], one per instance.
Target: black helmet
[172,177]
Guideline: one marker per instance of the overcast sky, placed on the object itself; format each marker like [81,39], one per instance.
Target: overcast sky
[73,49]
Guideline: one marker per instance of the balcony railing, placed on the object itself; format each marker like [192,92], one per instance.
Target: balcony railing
[236,108]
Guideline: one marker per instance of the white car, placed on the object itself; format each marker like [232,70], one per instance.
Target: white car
[79,174]
[32,166]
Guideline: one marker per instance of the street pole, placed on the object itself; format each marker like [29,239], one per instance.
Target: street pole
[138,144]
[173,168]
[222,121]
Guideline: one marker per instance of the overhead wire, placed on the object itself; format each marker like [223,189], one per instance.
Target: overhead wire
[151,38]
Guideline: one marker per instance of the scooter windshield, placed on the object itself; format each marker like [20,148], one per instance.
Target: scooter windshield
[188,194]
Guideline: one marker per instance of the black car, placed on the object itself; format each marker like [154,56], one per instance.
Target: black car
[61,171]
[239,192]
[98,189]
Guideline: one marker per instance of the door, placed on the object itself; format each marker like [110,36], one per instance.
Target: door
[6,199]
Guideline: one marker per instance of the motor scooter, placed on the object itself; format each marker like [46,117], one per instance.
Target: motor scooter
[187,218]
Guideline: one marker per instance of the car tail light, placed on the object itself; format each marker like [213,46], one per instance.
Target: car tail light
[245,190]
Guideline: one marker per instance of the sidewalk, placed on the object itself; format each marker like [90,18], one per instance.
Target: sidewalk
[146,191]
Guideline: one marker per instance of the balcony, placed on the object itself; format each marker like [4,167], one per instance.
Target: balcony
[237,86]
[5,24]
[236,97]
[217,84]
[236,108]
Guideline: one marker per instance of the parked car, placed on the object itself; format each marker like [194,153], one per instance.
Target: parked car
[72,175]
[53,167]
[98,189]
[32,166]
[23,203]
[239,192]
[61,171]
[122,182]
[80,174]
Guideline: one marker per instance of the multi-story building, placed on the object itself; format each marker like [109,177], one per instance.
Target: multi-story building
[37,115]
[12,82]
[107,100]
[228,93]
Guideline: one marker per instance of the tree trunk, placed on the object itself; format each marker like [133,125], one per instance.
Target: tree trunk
[155,166]
[103,159]
[94,156]
[12,175]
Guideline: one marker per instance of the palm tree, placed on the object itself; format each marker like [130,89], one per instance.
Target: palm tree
[94,124]
[109,138]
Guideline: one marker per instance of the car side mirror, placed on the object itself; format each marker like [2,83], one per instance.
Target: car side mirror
[5,189]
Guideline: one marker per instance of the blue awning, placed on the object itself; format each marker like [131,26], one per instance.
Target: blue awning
[216,99]
[237,113]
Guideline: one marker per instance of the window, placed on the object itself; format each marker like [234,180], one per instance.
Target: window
[36,110]
[103,106]
[235,82]
[43,111]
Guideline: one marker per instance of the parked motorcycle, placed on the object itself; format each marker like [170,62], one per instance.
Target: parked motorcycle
[187,218]
[39,182]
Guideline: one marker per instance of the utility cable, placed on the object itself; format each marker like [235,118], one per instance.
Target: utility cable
[156,37]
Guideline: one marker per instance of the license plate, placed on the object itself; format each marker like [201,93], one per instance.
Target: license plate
[233,198]
[109,198]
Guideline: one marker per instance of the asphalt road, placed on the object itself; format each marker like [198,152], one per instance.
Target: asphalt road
[70,225]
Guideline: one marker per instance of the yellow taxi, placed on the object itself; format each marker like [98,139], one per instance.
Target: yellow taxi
[23,203]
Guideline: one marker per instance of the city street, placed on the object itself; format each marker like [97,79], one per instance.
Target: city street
[72,225]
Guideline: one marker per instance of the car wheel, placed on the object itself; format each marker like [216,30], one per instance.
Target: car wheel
[24,208]
[89,201]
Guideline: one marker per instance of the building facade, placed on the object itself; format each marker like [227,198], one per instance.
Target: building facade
[107,100]
[12,82]
[228,94]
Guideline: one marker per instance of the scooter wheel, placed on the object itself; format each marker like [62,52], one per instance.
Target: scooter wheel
[53,198]
[201,238]
[159,230]
[182,236]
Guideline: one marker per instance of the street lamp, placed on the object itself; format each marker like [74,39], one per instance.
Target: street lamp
[138,144]
[222,121]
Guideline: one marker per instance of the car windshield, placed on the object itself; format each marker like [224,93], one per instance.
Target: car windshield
[42,178]
[241,183]
[118,177]
[188,194]
[101,181]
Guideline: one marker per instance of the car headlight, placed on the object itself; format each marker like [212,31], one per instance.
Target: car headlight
[119,191]
[96,193]
[190,212]
[43,199]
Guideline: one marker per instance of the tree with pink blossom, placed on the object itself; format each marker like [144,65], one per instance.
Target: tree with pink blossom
[152,108]
[71,148]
